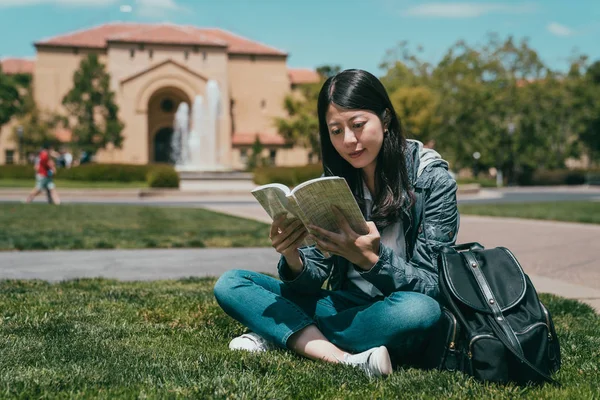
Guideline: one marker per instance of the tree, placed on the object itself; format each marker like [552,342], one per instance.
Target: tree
[92,104]
[302,124]
[327,71]
[416,107]
[10,98]
[37,127]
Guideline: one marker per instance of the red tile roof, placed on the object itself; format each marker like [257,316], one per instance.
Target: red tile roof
[299,76]
[99,36]
[166,34]
[11,66]
[247,139]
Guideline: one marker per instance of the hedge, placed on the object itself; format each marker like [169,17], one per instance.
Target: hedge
[561,177]
[289,176]
[155,174]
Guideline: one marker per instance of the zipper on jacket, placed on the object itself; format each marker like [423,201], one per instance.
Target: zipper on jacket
[452,344]
[547,320]
[477,337]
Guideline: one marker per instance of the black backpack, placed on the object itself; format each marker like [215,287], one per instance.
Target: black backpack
[493,326]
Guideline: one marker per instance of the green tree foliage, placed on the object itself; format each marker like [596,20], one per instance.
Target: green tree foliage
[589,98]
[498,99]
[301,127]
[92,104]
[37,127]
[327,71]
[10,98]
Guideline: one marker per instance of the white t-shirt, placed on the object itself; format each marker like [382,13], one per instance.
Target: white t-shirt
[392,237]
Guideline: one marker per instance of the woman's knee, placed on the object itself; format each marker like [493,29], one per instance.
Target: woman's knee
[416,312]
[226,283]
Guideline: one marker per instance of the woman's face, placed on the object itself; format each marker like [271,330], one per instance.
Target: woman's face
[357,135]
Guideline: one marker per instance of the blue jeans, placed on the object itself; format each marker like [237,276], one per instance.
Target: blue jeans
[351,320]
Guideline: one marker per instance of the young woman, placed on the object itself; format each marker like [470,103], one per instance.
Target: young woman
[382,286]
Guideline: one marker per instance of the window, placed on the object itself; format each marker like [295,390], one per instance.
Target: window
[150,53]
[75,50]
[132,53]
[272,156]
[252,58]
[204,56]
[263,104]
[9,157]
[186,54]
[167,105]
[141,47]
[244,156]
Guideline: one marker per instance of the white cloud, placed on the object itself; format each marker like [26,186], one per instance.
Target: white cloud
[467,9]
[559,30]
[155,8]
[142,6]
[13,3]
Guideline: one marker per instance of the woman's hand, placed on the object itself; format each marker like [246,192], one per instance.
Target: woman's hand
[361,250]
[286,236]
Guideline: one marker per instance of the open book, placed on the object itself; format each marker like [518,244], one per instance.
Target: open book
[311,202]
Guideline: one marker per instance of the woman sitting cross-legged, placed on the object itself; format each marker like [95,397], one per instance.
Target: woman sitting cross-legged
[380,303]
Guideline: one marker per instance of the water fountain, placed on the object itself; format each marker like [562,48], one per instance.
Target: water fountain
[195,148]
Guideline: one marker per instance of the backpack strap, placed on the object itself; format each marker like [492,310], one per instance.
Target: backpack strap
[520,357]
[502,328]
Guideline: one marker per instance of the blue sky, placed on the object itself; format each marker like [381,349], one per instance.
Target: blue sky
[351,33]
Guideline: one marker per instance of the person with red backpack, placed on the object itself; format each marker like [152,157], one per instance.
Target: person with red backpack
[45,168]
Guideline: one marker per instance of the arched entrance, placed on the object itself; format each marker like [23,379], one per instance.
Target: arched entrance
[162,145]
[161,117]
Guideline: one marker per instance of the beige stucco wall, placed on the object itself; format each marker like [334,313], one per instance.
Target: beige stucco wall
[252,82]
[53,75]
[6,142]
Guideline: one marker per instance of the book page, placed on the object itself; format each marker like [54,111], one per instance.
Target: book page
[275,202]
[316,199]
[273,199]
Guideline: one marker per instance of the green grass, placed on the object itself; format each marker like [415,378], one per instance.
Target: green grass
[166,339]
[68,184]
[87,226]
[569,211]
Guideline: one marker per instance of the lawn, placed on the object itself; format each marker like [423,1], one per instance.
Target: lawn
[570,211]
[107,339]
[68,184]
[90,226]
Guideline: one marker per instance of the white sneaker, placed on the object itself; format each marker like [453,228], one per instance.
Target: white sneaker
[374,362]
[251,342]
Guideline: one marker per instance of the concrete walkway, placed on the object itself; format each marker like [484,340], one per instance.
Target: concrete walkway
[560,258]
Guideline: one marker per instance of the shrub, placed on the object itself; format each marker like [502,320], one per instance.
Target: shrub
[17,172]
[484,182]
[106,173]
[162,176]
[555,177]
[289,176]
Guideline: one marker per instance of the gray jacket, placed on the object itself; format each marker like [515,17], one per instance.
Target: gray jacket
[432,222]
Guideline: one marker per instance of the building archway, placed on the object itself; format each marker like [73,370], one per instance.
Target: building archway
[162,145]
[162,107]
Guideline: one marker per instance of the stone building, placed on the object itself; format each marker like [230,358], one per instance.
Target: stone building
[155,67]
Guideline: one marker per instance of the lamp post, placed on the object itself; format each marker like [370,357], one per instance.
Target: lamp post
[476,157]
[511,131]
[20,137]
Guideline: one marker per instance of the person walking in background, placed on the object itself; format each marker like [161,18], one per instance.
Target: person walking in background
[45,168]
[380,303]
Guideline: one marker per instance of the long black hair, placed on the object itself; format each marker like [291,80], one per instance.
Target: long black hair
[360,90]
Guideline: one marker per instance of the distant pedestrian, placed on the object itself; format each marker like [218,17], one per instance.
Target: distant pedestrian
[45,169]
